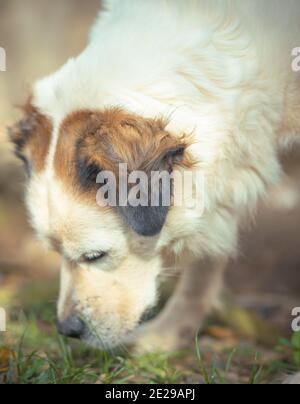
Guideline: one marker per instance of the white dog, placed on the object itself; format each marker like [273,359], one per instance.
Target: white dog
[163,85]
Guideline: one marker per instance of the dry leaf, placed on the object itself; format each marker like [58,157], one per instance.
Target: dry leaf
[6,356]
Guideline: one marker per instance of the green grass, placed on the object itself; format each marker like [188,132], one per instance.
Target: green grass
[39,356]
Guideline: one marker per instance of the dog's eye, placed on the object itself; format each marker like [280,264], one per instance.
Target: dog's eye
[93,257]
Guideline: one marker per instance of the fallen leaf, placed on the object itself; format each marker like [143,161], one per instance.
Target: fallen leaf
[6,356]
[221,332]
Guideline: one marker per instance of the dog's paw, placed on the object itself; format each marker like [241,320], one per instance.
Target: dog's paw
[155,338]
[153,343]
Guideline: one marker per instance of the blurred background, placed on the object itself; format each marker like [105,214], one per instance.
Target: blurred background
[39,36]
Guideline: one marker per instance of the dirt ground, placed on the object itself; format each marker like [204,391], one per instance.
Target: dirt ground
[262,286]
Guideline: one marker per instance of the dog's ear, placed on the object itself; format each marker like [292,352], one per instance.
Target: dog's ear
[145,146]
[31,137]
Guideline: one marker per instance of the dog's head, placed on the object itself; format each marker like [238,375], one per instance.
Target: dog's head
[111,254]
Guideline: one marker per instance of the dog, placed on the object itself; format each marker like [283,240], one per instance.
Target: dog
[163,86]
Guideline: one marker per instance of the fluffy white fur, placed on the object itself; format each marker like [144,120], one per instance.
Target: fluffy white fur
[219,69]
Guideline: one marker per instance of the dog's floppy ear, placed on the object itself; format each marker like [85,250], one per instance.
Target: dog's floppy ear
[31,137]
[145,146]
[116,137]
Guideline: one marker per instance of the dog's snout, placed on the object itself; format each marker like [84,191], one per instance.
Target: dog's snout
[72,327]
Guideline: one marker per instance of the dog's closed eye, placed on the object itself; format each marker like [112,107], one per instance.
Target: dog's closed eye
[92,257]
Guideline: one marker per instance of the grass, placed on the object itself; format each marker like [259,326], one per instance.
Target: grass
[31,352]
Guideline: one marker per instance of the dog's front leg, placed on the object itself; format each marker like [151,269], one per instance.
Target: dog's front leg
[179,323]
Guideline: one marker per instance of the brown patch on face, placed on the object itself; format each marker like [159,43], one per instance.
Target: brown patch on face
[31,136]
[94,141]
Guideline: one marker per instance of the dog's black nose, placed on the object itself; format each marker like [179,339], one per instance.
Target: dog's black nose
[72,327]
